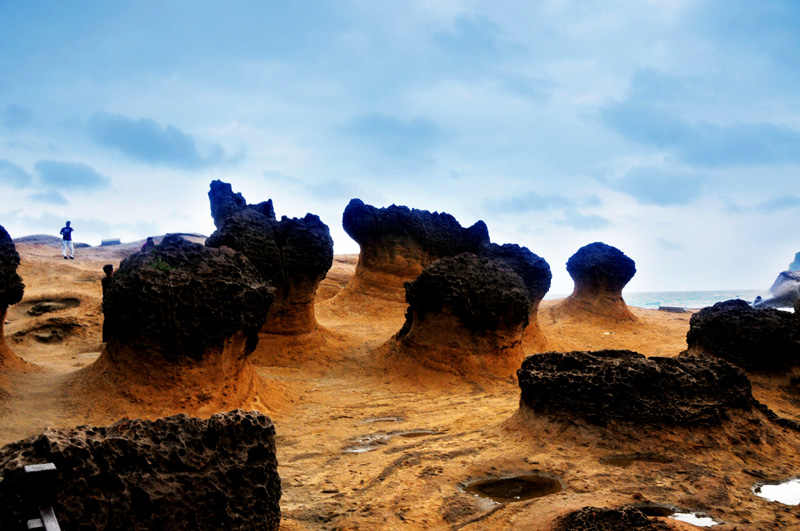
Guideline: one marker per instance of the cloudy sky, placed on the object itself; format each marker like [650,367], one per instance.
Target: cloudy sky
[669,129]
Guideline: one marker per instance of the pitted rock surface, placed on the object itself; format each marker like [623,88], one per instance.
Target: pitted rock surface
[626,386]
[766,340]
[11,286]
[437,234]
[533,269]
[179,300]
[484,294]
[174,473]
[606,519]
[600,266]
[225,203]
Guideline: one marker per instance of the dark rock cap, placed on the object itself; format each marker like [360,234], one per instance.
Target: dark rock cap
[760,340]
[626,518]
[624,385]
[483,293]
[225,203]
[598,263]
[182,299]
[533,269]
[174,473]
[11,286]
[439,234]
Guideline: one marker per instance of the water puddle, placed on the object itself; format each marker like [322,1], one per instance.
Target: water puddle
[787,493]
[368,443]
[516,488]
[682,515]
[625,460]
[373,420]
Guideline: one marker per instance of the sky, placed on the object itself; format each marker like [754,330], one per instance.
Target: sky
[668,129]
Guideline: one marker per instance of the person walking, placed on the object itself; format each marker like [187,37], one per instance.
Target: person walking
[66,242]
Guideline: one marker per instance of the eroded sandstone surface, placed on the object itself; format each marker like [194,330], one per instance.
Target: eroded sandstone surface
[626,518]
[466,313]
[397,243]
[174,473]
[623,385]
[600,272]
[759,340]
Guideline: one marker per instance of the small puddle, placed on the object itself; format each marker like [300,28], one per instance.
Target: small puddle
[787,493]
[415,433]
[516,488]
[367,443]
[698,519]
[373,420]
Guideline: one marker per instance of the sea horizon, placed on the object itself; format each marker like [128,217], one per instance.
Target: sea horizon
[690,299]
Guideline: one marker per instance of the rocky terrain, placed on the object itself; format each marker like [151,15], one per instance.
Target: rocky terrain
[362,447]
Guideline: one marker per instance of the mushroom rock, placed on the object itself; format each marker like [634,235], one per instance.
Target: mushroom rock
[628,518]
[225,203]
[11,290]
[621,385]
[758,340]
[181,320]
[600,272]
[785,291]
[397,243]
[466,314]
[535,272]
[294,255]
[173,473]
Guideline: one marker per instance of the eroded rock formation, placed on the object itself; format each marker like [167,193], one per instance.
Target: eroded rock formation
[183,318]
[174,473]
[785,291]
[11,290]
[466,314]
[623,385]
[759,340]
[795,265]
[600,272]
[291,254]
[535,272]
[397,243]
[626,518]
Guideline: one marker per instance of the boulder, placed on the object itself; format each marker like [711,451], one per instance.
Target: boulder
[293,255]
[626,518]
[758,340]
[183,318]
[535,272]
[785,291]
[173,473]
[397,243]
[600,272]
[465,314]
[11,290]
[621,385]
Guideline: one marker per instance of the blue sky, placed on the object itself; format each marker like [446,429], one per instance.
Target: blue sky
[670,130]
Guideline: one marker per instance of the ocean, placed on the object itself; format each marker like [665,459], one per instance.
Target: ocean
[682,299]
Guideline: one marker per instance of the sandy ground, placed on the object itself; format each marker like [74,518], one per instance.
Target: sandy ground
[361,447]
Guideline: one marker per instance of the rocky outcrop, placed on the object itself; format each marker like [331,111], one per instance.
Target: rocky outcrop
[759,340]
[225,203]
[785,291]
[535,272]
[466,314]
[795,265]
[397,243]
[11,290]
[620,385]
[174,473]
[293,255]
[182,317]
[626,518]
[600,272]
